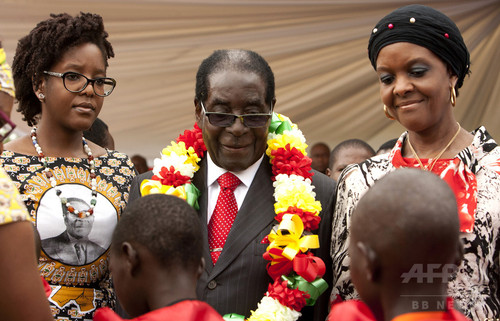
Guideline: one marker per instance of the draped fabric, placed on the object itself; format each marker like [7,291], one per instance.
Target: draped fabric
[316,48]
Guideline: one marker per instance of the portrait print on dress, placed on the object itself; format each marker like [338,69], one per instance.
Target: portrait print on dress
[68,238]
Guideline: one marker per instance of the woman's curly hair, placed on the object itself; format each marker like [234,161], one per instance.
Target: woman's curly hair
[44,46]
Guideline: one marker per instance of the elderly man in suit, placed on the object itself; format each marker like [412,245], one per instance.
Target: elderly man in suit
[240,82]
[73,245]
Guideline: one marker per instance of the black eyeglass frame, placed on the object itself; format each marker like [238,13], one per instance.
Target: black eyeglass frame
[89,80]
[6,126]
[234,116]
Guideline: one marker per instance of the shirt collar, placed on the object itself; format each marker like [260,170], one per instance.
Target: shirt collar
[246,176]
[482,144]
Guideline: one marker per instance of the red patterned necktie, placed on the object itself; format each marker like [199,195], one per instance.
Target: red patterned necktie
[224,214]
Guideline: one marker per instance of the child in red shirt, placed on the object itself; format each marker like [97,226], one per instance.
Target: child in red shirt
[156,260]
[404,245]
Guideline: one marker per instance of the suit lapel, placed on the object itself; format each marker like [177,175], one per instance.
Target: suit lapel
[200,181]
[255,214]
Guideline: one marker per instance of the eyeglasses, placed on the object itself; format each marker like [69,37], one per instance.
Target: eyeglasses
[6,126]
[75,82]
[227,120]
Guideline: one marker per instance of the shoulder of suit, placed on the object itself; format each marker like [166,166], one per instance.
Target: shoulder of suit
[320,180]
[143,176]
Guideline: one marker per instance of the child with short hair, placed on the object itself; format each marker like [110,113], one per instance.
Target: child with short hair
[156,260]
[404,245]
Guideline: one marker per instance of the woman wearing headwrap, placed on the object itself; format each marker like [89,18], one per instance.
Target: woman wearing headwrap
[421,61]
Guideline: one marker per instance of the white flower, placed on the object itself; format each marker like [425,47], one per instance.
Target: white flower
[272,136]
[296,133]
[285,185]
[271,309]
[177,161]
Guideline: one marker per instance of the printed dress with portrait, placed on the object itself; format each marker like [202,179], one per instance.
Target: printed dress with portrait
[74,258]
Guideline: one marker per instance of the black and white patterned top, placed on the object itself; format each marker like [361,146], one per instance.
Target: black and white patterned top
[475,286]
[74,258]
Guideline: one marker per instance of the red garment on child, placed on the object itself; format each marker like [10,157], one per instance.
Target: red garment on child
[351,310]
[355,310]
[451,315]
[186,310]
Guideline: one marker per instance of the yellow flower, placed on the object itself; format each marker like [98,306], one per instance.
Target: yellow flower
[149,186]
[296,191]
[282,140]
[192,157]
[180,149]
[303,201]
[176,148]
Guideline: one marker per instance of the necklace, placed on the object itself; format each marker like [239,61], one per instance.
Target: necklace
[53,182]
[434,159]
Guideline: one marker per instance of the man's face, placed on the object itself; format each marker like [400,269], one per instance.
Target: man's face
[320,156]
[236,147]
[347,156]
[78,227]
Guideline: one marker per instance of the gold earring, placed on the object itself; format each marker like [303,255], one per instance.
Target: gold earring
[453,97]
[387,113]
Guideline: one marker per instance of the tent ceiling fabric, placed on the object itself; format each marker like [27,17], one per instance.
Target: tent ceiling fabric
[317,50]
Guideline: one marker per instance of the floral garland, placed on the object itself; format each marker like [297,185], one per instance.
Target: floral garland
[296,273]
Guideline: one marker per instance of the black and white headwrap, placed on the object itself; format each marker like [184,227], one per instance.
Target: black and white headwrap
[426,27]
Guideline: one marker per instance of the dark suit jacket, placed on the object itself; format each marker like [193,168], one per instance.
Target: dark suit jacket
[61,248]
[239,279]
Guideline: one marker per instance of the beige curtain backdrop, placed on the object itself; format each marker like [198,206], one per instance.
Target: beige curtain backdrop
[317,50]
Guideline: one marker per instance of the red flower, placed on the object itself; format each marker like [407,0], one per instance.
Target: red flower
[193,138]
[168,176]
[292,298]
[290,161]
[308,266]
[279,264]
[311,221]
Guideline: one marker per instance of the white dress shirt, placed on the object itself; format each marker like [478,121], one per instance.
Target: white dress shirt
[213,172]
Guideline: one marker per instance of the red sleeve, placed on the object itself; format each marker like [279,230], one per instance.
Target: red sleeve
[351,310]
[106,314]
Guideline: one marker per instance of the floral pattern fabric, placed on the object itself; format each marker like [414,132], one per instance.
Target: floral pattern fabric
[74,258]
[475,286]
[458,176]
[12,208]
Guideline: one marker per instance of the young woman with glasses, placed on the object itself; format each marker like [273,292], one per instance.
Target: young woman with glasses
[74,190]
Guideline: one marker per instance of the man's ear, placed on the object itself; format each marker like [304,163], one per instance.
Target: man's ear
[198,112]
[132,259]
[328,172]
[273,102]
[370,262]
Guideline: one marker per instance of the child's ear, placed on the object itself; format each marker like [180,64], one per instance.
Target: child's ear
[131,256]
[201,267]
[371,264]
